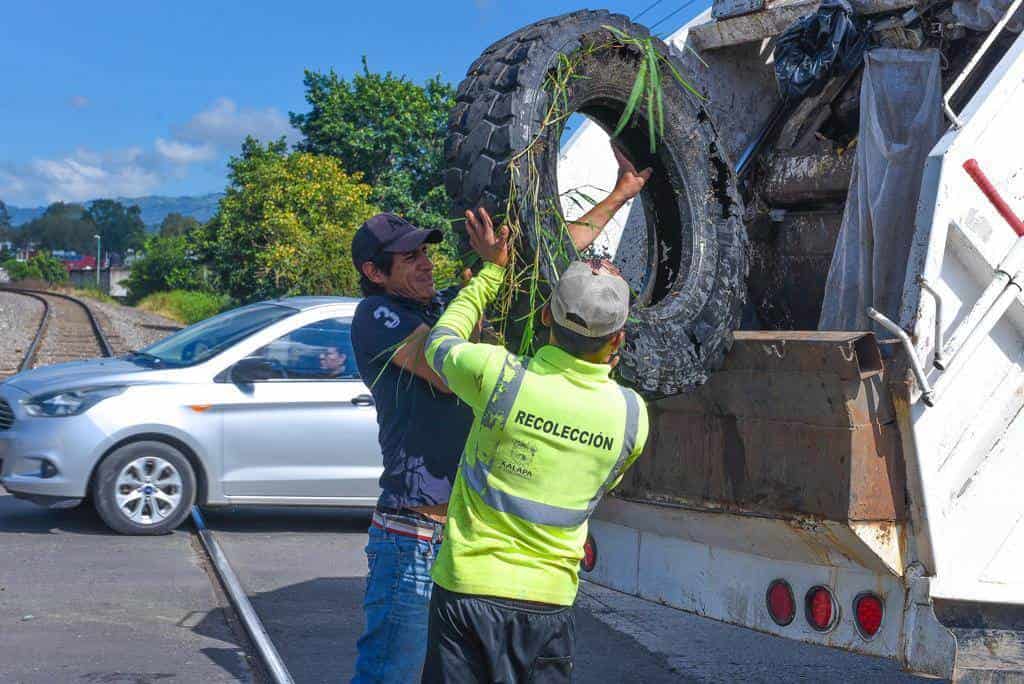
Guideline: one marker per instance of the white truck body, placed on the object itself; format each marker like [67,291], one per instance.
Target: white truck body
[959,540]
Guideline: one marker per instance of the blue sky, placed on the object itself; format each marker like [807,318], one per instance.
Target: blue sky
[130,99]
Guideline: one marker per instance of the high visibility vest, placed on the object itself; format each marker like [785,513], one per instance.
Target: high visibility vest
[551,435]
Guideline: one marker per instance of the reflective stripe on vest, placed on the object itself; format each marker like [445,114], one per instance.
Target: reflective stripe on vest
[503,397]
[533,511]
[449,340]
[628,444]
[546,514]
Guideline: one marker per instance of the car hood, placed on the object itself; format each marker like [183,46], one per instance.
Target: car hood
[76,374]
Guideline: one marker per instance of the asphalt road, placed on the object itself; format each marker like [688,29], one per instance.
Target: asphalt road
[78,604]
[81,604]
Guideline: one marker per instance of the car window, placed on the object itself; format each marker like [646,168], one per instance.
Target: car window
[318,351]
[206,339]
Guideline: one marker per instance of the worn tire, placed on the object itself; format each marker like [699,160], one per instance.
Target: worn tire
[682,319]
[105,487]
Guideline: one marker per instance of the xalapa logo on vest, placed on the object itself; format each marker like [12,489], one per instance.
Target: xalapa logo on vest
[520,460]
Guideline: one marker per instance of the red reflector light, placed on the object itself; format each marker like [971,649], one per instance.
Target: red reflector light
[821,609]
[868,610]
[781,604]
[589,559]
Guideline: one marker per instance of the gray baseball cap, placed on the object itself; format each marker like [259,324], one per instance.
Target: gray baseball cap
[590,299]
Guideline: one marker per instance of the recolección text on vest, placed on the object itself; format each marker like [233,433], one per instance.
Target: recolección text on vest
[551,427]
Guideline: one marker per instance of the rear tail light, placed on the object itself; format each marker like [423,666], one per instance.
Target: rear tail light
[781,604]
[868,609]
[589,559]
[821,609]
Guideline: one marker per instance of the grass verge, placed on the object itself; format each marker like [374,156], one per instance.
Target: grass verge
[185,306]
[92,293]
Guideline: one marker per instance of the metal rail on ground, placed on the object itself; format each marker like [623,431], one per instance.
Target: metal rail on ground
[101,339]
[30,353]
[250,620]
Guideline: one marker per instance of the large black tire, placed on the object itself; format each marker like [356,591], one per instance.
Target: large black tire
[683,316]
[160,460]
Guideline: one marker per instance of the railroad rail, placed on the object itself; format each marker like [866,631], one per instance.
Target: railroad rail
[266,654]
[30,351]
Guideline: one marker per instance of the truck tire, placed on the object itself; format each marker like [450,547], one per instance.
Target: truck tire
[144,488]
[690,301]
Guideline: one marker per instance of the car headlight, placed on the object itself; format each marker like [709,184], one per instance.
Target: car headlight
[68,403]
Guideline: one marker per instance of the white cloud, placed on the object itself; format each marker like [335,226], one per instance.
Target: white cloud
[80,176]
[88,174]
[223,124]
[78,101]
[177,152]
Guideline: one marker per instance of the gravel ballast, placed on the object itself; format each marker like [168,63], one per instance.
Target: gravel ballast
[128,328]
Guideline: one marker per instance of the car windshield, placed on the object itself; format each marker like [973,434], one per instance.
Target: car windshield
[206,339]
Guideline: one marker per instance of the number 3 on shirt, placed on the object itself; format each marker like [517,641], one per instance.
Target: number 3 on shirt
[391,319]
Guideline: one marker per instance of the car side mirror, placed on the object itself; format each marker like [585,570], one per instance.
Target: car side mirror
[254,369]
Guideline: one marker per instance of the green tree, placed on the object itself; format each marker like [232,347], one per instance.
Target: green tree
[62,226]
[285,225]
[121,228]
[177,224]
[387,128]
[167,263]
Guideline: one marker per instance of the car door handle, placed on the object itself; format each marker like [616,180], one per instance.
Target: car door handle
[362,400]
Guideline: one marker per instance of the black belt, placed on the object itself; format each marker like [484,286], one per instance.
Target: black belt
[408,513]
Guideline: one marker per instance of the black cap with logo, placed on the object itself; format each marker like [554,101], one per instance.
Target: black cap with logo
[387,233]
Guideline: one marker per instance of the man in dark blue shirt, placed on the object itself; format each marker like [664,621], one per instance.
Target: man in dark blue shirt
[422,429]
[423,426]
[412,403]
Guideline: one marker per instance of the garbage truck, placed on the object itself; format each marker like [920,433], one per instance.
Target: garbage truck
[827,322]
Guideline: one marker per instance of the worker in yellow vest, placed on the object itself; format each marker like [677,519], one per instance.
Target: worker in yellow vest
[551,434]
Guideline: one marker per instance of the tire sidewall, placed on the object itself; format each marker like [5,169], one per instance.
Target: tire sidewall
[105,483]
[673,342]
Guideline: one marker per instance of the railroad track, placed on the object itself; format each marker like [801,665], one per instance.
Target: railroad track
[68,331]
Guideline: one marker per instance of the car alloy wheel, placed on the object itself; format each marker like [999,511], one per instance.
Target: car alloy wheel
[148,490]
[144,487]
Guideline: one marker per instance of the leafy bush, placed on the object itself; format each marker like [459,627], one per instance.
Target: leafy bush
[42,266]
[184,306]
[167,264]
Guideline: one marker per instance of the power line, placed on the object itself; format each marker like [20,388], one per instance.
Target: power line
[648,9]
[670,15]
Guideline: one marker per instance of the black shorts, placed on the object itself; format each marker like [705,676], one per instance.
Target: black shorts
[486,639]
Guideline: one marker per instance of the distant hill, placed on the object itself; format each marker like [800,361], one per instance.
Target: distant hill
[154,208]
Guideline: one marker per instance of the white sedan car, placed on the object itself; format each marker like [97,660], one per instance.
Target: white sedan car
[259,405]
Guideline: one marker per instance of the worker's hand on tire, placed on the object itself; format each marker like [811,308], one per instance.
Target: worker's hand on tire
[630,181]
[491,246]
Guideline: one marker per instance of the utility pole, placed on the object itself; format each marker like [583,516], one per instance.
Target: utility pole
[97,261]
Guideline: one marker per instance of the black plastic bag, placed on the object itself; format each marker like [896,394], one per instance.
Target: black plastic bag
[816,48]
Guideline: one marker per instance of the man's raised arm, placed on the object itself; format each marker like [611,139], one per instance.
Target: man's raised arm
[459,362]
[628,185]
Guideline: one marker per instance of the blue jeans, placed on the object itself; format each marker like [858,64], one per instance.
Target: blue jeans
[396,606]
